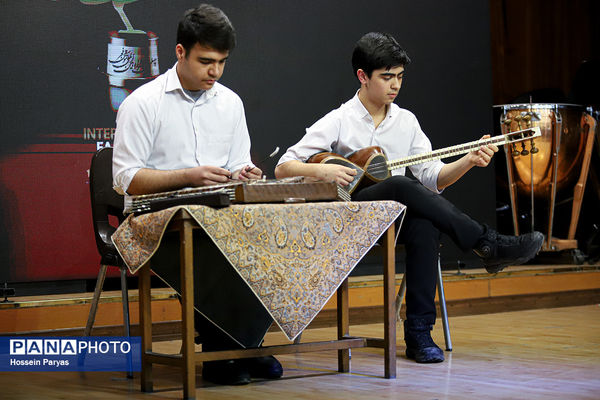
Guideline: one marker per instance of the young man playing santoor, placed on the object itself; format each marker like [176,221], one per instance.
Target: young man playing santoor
[371,118]
[184,129]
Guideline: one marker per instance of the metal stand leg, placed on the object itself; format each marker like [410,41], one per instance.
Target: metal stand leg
[443,311]
[400,297]
[95,300]
[442,299]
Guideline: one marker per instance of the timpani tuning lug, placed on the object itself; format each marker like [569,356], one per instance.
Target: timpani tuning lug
[524,150]
[533,148]
[518,118]
[515,152]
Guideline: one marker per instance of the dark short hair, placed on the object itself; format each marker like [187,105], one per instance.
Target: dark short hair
[208,26]
[377,50]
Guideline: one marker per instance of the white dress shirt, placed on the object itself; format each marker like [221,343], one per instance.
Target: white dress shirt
[159,126]
[351,128]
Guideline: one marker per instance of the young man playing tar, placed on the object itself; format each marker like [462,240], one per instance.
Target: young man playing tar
[184,129]
[371,118]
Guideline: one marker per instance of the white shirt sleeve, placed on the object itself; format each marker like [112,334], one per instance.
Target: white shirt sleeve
[427,173]
[133,141]
[239,155]
[321,136]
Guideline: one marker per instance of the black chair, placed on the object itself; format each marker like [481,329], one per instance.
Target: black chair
[105,203]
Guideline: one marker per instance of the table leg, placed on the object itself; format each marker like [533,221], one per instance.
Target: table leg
[343,322]
[389,294]
[146,327]
[187,310]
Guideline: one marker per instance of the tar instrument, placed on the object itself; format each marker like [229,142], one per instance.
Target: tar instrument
[287,190]
[372,165]
[556,176]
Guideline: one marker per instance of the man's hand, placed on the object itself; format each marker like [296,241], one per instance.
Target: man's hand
[153,180]
[335,172]
[482,156]
[247,173]
[452,172]
[207,175]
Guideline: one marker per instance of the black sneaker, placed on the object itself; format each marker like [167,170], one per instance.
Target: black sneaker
[263,367]
[499,251]
[419,344]
[225,372]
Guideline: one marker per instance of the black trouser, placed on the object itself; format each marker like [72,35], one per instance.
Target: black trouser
[427,214]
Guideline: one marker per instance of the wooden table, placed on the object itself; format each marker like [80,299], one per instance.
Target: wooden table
[185,224]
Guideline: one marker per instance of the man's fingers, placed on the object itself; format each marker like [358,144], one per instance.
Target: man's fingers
[490,150]
[255,173]
[486,151]
[484,158]
[218,178]
[218,171]
[346,179]
[249,172]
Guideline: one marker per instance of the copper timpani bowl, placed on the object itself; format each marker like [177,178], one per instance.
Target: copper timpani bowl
[563,127]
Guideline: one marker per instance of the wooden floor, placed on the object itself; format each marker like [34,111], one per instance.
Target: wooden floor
[468,292]
[533,354]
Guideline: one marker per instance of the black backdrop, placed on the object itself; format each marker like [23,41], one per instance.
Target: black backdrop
[290,67]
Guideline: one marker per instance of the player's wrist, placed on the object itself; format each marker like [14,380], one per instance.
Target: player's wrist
[184,177]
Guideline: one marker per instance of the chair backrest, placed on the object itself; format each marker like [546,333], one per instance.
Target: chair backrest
[105,201]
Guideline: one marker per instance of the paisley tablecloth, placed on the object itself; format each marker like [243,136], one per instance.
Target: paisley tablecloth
[292,256]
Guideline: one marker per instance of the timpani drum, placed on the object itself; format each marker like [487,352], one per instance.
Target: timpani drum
[549,169]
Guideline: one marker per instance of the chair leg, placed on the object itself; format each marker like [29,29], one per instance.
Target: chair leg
[126,325]
[442,299]
[125,301]
[95,300]
[443,310]
[400,297]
